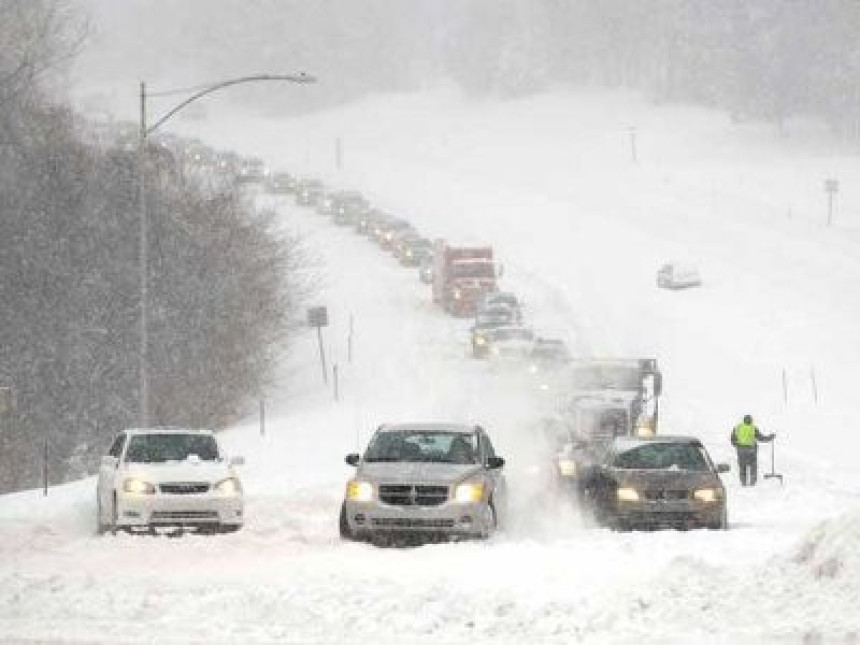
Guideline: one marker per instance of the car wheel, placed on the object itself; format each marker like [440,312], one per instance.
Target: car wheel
[489,520]
[343,525]
[722,524]
[101,526]
[114,517]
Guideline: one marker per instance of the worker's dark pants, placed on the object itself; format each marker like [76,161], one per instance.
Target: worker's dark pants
[748,465]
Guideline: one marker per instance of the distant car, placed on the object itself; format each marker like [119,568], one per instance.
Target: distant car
[413,249]
[424,480]
[280,183]
[496,299]
[426,269]
[657,482]
[168,477]
[487,320]
[548,358]
[678,276]
[510,342]
[309,192]
[252,170]
[386,231]
[348,207]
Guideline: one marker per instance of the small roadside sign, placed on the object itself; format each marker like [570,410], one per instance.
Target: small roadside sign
[317,317]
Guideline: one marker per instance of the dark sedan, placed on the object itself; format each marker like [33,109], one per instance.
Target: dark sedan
[657,482]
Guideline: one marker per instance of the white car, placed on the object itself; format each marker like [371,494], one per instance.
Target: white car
[509,342]
[171,477]
[678,276]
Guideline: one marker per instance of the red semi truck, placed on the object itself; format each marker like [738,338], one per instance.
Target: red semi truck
[461,275]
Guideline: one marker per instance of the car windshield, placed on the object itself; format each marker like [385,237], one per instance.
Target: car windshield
[663,456]
[512,334]
[474,269]
[423,446]
[155,448]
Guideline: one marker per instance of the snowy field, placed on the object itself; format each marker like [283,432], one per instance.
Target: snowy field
[581,230]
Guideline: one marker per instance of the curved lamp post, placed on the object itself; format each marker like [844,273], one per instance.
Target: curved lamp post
[145,131]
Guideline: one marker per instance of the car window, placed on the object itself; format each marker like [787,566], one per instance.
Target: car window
[663,456]
[423,446]
[117,446]
[157,448]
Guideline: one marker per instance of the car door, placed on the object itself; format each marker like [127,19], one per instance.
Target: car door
[108,469]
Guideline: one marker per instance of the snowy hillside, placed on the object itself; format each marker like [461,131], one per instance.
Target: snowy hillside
[581,230]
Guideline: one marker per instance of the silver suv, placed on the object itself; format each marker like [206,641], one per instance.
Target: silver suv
[424,480]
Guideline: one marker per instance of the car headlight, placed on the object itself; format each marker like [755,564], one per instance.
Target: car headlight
[359,491]
[707,495]
[627,495]
[469,492]
[457,294]
[533,368]
[138,487]
[567,467]
[480,340]
[645,430]
[229,486]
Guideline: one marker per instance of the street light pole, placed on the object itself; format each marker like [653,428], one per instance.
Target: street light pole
[144,264]
[145,131]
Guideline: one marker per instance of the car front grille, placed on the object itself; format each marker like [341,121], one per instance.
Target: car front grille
[411,523]
[666,495]
[184,488]
[412,495]
[184,516]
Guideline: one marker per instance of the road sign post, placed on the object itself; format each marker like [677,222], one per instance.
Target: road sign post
[318,317]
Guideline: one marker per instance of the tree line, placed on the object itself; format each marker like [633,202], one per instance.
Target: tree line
[224,283]
[768,60]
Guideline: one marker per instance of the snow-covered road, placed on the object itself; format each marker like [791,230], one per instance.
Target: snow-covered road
[585,265]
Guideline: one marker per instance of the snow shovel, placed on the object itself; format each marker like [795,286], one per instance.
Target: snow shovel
[773,474]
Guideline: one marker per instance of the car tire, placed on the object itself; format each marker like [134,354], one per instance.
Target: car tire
[343,526]
[489,521]
[113,525]
[101,527]
[722,524]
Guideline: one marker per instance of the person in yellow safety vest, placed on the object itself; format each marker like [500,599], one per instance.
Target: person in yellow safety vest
[745,438]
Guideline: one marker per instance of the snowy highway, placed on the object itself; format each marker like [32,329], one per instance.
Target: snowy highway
[581,232]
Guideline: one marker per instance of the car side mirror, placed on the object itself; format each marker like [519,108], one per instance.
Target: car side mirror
[353,459]
[108,461]
[723,468]
[494,463]
[237,461]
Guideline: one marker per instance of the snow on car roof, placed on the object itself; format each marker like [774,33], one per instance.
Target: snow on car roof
[168,430]
[460,428]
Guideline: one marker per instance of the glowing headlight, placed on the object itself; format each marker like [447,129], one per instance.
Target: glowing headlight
[389,236]
[230,486]
[408,254]
[567,467]
[706,495]
[533,368]
[628,495]
[645,430]
[358,491]
[138,487]
[480,340]
[457,294]
[469,492]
